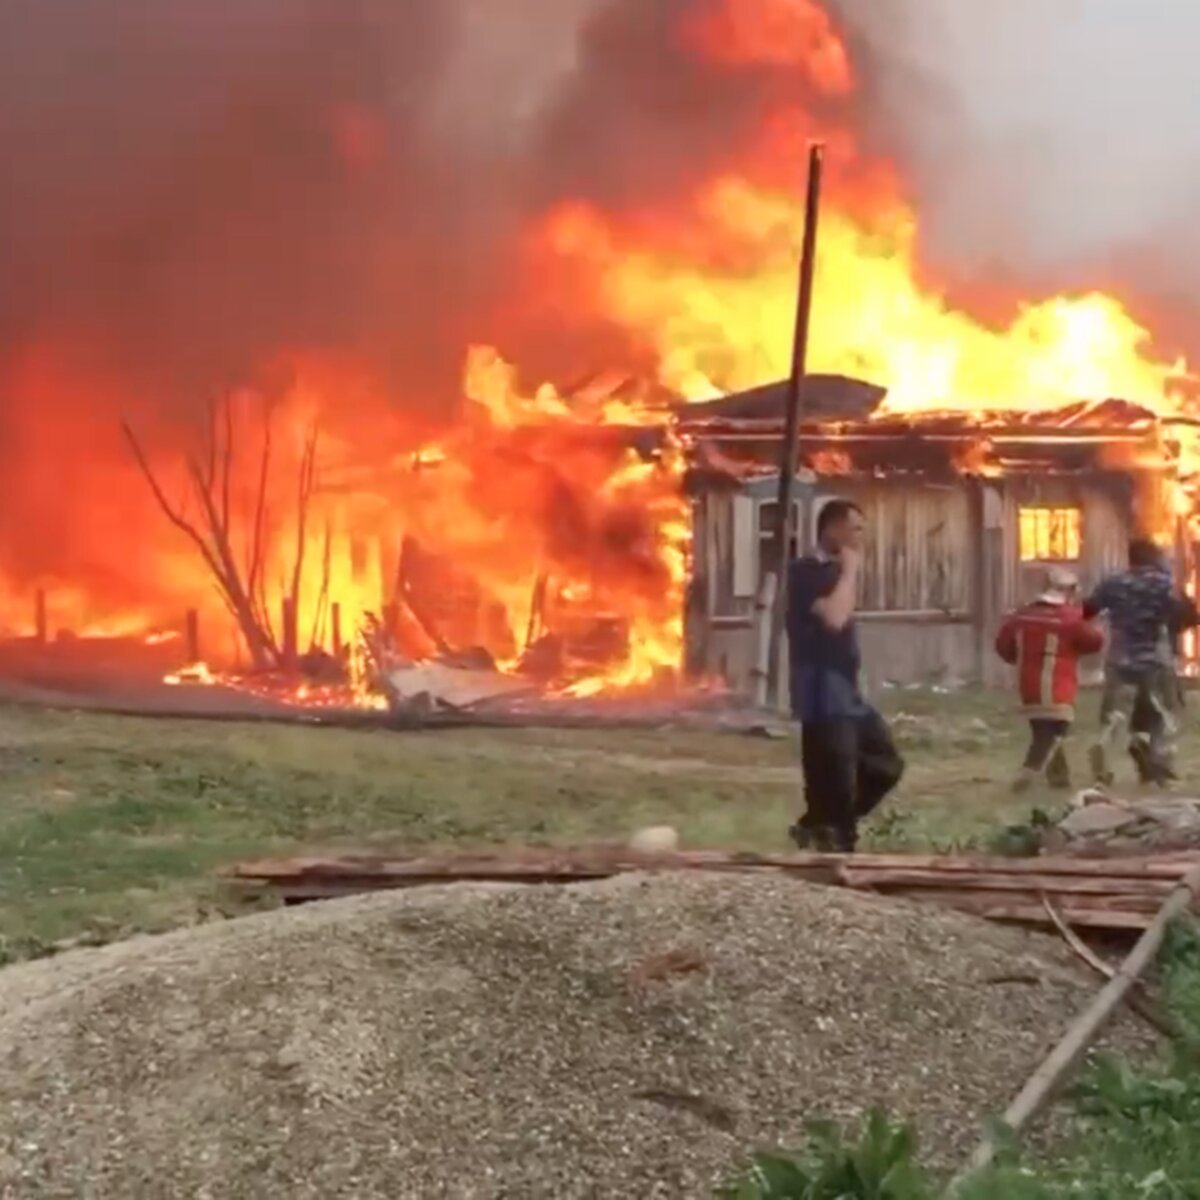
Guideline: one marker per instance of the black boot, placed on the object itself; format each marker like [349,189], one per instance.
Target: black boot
[812,838]
[845,841]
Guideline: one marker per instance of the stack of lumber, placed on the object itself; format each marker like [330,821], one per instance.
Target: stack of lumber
[1114,894]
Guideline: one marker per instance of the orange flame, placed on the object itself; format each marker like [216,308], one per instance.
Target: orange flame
[719,328]
[528,530]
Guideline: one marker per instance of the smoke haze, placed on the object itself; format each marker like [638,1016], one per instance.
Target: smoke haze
[189,186]
[1050,144]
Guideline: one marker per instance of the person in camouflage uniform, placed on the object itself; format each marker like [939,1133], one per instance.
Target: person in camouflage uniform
[1139,668]
[1148,722]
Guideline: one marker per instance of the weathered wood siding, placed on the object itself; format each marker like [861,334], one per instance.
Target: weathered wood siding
[918,546]
[1106,526]
[942,568]
[915,597]
[1105,530]
[916,590]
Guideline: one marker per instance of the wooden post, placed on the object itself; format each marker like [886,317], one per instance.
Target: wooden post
[784,521]
[335,622]
[979,577]
[1082,1032]
[289,633]
[41,624]
[991,573]
[192,636]
[764,610]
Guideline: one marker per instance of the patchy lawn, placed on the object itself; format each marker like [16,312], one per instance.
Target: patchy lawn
[109,824]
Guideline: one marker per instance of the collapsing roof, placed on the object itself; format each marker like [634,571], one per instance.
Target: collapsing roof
[845,429]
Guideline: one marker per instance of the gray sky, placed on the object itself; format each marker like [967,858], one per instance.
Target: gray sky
[1060,132]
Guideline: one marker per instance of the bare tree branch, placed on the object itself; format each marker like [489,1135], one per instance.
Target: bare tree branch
[173,515]
[210,442]
[262,648]
[209,472]
[226,461]
[307,477]
[254,567]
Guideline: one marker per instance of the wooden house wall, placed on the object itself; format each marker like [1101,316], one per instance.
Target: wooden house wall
[1106,526]
[1105,530]
[915,596]
[917,546]
[941,569]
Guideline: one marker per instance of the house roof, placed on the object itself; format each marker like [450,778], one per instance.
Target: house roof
[826,397]
[843,431]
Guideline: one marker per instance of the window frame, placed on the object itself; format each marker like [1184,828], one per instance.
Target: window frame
[1044,534]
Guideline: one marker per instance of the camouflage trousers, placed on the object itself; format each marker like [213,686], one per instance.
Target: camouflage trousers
[1144,702]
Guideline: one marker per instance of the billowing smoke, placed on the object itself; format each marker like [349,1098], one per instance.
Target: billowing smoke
[194,187]
[191,185]
[1046,146]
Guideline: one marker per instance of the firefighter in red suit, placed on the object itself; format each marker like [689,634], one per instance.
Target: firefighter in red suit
[1045,641]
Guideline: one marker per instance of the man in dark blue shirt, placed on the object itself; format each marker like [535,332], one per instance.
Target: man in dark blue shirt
[850,761]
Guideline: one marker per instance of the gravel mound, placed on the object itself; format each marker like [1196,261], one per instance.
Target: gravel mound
[630,1038]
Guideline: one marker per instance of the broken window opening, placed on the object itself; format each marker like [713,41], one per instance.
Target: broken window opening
[1051,534]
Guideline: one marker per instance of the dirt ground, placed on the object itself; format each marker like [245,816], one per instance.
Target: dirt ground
[111,825]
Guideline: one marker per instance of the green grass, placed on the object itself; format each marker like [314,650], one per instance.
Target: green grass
[109,824]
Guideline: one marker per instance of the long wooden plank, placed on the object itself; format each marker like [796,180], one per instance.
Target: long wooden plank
[902,880]
[1030,914]
[1171,867]
[1008,907]
[983,900]
[860,865]
[1089,894]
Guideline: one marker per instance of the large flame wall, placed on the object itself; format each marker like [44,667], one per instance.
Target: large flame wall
[657,230]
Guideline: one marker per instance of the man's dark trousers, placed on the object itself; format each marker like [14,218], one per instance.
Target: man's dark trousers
[850,764]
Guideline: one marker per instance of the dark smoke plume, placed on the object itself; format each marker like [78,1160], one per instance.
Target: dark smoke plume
[192,184]
[193,187]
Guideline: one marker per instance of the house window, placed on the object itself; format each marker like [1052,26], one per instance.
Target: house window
[767,511]
[1051,534]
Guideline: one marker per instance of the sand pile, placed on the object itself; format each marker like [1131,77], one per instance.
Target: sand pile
[630,1038]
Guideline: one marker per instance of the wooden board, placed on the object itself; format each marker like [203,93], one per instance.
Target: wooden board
[1108,894]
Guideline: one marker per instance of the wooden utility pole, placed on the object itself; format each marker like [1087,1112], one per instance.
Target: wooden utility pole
[784,519]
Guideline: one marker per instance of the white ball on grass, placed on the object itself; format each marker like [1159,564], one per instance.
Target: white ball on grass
[655,839]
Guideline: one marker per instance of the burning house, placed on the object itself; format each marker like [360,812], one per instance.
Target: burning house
[964,511]
[610,536]
[233,435]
